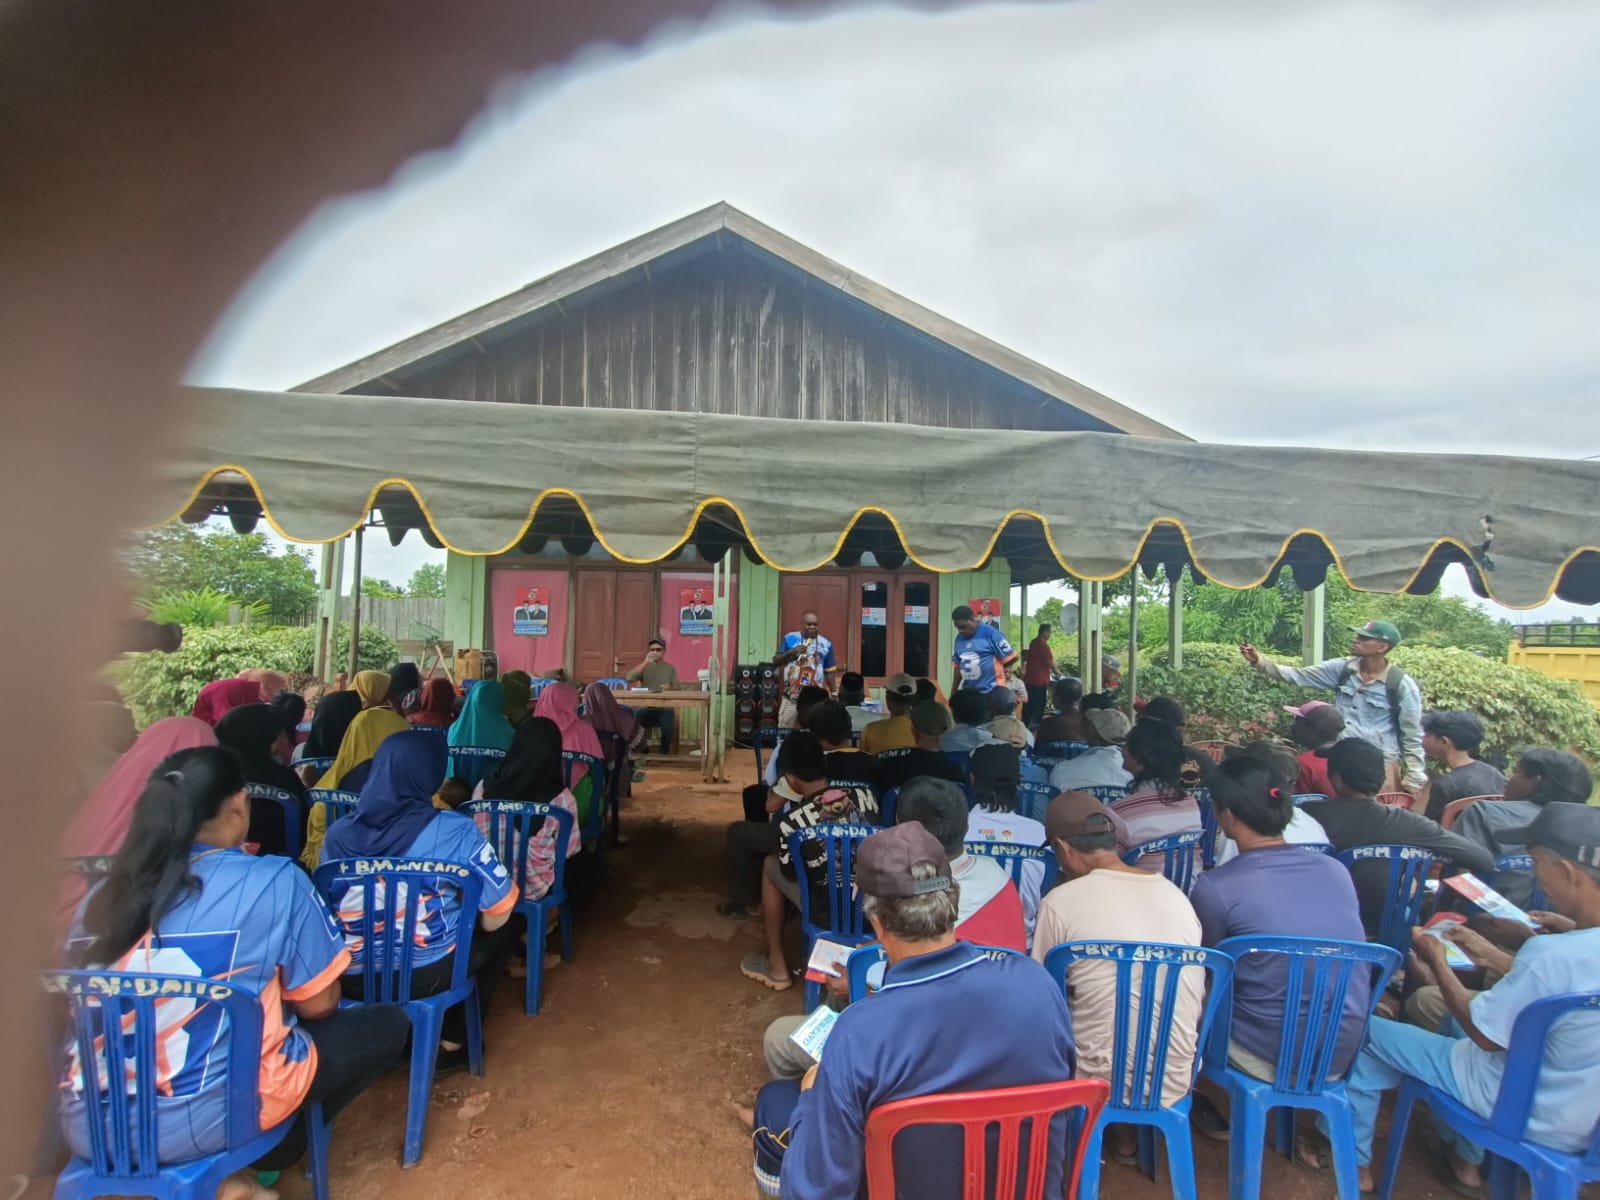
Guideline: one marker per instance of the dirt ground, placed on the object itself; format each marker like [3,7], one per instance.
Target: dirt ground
[620,1088]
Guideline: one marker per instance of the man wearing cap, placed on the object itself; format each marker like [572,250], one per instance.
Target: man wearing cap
[1355,818]
[810,1135]
[1317,725]
[1104,900]
[894,731]
[1378,700]
[1453,737]
[930,721]
[1565,844]
[1100,766]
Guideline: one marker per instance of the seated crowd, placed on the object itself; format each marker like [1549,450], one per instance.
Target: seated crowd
[1279,817]
[184,848]
[979,847]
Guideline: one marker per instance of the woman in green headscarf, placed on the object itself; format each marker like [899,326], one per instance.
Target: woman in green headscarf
[518,688]
[482,724]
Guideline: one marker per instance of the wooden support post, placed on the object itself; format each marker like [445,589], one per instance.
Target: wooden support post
[1132,672]
[1175,620]
[355,603]
[1313,628]
[330,597]
[1091,620]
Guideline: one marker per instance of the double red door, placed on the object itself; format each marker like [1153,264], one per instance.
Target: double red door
[879,621]
[614,612]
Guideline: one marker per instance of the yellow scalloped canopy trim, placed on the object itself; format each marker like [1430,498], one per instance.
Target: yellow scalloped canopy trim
[755,544]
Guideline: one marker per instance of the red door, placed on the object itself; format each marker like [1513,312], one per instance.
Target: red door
[891,617]
[614,613]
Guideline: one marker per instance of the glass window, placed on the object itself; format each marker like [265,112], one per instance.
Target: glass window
[916,634]
[874,662]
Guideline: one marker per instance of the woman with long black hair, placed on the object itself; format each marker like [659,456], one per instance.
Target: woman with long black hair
[183,898]
[253,732]
[1157,804]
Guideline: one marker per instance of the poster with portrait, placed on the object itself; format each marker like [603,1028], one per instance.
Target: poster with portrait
[986,610]
[531,617]
[694,612]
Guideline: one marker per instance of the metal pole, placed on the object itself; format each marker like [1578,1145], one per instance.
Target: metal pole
[1313,624]
[1133,637]
[1175,620]
[355,603]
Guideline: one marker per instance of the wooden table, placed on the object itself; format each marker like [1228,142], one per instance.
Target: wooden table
[677,700]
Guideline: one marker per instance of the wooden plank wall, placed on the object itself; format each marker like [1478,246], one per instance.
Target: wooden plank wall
[728,332]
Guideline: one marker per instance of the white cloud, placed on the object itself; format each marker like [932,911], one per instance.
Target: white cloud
[1365,225]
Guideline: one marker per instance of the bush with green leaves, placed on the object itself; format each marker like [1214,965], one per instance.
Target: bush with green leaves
[200,608]
[1229,701]
[157,685]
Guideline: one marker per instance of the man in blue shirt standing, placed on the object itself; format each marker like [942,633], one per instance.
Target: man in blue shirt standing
[806,658]
[1564,841]
[981,656]
[947,1019]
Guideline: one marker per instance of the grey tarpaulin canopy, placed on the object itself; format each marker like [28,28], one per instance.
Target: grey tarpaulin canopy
[486,478]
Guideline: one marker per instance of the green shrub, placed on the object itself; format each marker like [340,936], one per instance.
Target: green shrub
[1229,701]
[157,685]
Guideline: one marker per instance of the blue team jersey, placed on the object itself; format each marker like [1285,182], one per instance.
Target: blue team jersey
[255,922]
[809,669]
[449,838]
[981,659]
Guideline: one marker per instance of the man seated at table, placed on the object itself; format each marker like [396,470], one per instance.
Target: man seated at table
[894,731]
[658,675]
[810,1135]
[1469,1062]
[1354,818]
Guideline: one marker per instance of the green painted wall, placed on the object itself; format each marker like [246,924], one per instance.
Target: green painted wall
[466,600]
[959,588]
[758,611]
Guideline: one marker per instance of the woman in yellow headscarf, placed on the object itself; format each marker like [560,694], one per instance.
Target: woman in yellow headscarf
[361,741]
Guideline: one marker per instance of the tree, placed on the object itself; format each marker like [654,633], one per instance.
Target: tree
[182,558]
[427,582]
[379,589]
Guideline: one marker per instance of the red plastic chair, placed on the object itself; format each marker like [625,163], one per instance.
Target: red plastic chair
[1215,749]
[975,1112]
[1396,799]
[1455,808]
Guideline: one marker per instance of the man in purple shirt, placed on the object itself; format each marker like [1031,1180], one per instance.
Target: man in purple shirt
[1272,888]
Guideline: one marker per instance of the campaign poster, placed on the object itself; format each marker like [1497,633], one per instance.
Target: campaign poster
[531,618]
[986,610]
[694,612]
[874,616]
[916,614]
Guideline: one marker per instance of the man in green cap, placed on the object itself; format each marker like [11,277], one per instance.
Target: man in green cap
[1379,701]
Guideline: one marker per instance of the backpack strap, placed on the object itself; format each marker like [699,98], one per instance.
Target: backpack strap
[1393,680]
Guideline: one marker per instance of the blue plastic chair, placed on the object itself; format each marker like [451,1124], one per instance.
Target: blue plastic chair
[1033,799]
[1320,971]
[1014,857]
[1030,770]
[611,681]
[473,764]
[289,803]
[333,804]
[1148,973]
[862,959]
[845,924]
[91,867]
[768,737]
[594,829]
[122,1123]
[538,686]
[1300,798]
[1522,863]
[511,824]
[616,748]
[389,941]
[1317,848]
[888,806]
[1555,1175]
[1106,793]
[1179,852]
[321,764]
[1208,827]
[1404,894]
[963,760]
[1054,753]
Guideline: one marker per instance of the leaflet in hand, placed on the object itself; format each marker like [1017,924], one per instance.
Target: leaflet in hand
[827,961]
[1486,898]
[1453,954]
[814,1031]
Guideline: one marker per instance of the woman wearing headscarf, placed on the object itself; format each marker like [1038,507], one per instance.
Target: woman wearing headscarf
[102,821]
[600,709]
[332,719]
[518,689]
[559,703]
[531,772]
[251,731]
[352,765]
[404,682]
[396,818]
[438,706]
[216,699]
[372,687]
[270,681]
[482,723]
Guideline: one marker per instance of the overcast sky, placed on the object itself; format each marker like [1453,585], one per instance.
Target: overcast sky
[1373,225]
